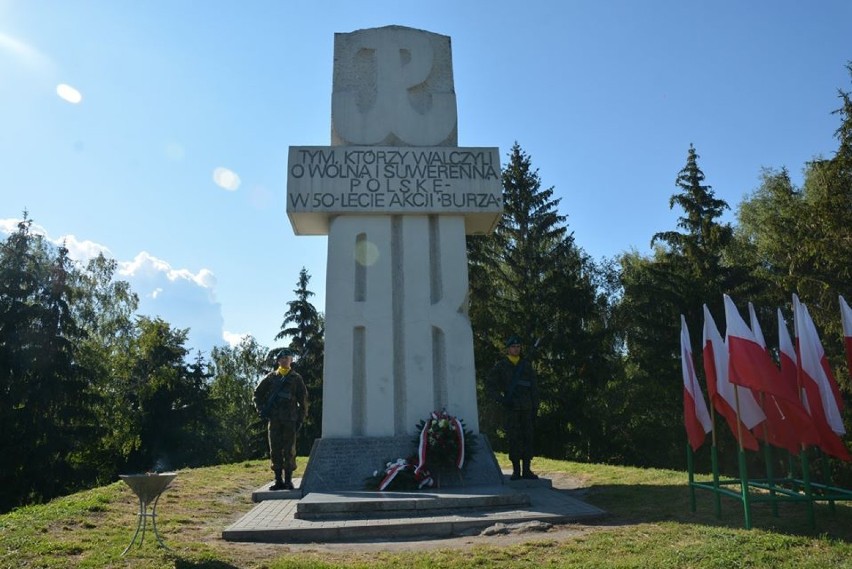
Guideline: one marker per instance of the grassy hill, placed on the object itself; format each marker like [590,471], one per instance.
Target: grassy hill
[650,526]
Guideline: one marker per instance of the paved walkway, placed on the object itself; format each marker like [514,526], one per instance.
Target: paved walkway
[284,521]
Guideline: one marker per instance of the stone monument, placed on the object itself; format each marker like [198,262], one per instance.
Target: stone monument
[396,197]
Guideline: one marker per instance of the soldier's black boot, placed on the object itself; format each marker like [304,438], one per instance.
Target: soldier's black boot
[516,470]
[279,483]
[288,480]
[528,474]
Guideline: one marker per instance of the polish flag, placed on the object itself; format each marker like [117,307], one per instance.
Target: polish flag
[724,394]
[695,414]
[750,363]
[846,317]
[789,360]
[815,377]
[788,424]
[790,376]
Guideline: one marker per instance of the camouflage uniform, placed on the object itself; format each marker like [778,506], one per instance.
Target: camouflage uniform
[519,397]
[285,416]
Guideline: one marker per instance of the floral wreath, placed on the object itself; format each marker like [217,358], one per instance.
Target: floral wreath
[442,443]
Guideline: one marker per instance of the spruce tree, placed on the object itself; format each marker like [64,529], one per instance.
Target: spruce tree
[304,326]
[45,418]
[688,269]
[529,278]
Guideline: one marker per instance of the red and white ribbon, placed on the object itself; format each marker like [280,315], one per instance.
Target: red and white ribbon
[393,469]
[424,443]
[460,437]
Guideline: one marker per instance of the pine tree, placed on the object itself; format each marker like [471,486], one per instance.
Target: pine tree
[44,401]
[531,279]
[687,270]
[304,326]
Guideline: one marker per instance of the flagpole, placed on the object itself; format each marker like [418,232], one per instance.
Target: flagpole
[803,454]
[767,457]
[829,479]
[690,473]
[742,464]
[714,461]
[805,462]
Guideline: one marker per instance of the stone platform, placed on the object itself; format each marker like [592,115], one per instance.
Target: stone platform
[348,516]
[361,456]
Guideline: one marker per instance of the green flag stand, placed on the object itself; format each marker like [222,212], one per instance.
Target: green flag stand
[769,489]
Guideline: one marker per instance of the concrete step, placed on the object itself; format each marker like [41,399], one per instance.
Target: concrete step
[264,493]
[336,505]
[275,521]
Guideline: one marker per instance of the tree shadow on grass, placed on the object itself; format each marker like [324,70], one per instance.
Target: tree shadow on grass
[210,564]
[631,504]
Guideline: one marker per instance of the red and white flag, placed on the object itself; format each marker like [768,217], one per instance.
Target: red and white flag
[789,360]
[788,424]
[750,363]
[755,326]
[790,376]
[815,377]
[696,417]
[726,397]
[846,318]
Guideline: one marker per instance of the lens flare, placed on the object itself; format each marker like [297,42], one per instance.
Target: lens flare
[226,179]
[366,253]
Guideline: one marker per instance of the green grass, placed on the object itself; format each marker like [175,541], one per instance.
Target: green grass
[649,525]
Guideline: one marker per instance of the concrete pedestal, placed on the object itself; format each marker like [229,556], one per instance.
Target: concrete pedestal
[339,464]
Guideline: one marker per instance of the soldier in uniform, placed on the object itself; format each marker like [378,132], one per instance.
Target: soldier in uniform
[282,399]
[512,381]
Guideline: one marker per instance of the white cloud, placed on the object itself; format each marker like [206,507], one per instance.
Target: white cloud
[78,250]
[181,297]
[146,265]
[84,250]
[10,225]
[233,338]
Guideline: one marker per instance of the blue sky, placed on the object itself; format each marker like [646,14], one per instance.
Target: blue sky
[605,96]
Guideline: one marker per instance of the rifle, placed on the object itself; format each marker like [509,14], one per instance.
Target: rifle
[266,410]
[516,375]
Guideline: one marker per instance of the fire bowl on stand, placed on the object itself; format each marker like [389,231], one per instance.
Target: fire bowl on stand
[148,488]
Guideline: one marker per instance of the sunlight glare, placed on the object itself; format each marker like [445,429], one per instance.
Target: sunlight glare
[68,93]
[227,179]
[366,253]
[175,151]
